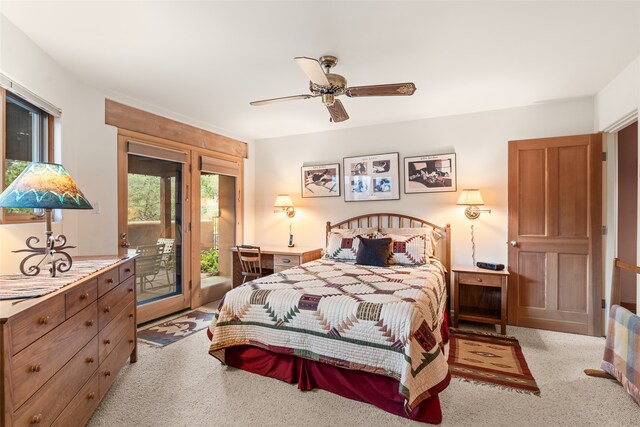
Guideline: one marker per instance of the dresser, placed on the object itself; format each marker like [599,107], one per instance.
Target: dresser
[61,352]
[276,259]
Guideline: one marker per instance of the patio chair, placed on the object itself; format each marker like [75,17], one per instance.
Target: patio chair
[148,264]
[250,261]
[168,261]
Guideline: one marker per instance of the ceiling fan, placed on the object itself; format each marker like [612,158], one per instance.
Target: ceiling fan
[327,85]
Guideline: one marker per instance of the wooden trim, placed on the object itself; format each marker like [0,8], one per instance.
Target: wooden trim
[595,232]
[130,118]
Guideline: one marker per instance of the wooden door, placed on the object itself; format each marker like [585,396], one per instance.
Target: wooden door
[555,241]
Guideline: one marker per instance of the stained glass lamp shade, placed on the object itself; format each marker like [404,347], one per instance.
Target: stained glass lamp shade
[45,186]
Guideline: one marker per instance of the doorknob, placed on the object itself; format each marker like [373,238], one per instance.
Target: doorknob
[513,243]
[124,243]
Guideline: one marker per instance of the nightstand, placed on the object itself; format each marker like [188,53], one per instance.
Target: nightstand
[480,296]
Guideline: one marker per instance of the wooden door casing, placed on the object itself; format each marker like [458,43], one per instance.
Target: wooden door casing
[555,218]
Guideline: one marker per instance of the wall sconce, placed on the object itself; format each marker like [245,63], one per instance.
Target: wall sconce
[45,186]
[284,202]
[472,199]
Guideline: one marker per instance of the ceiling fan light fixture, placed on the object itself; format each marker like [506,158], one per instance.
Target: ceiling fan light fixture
[328,99]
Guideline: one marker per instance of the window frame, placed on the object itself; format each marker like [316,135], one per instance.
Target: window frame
[20,218]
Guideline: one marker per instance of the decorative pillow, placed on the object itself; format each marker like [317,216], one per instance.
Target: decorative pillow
[407,250]
[374,252]
[343,245]
[434,235]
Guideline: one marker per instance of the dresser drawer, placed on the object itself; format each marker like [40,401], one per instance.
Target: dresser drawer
[112,364]
[79,410]
[33,366]
[107,281]
[48,402]
[80,297]
[116,330]
[115,301]
[479,279]
[33,323]
[286,260]
[126,270]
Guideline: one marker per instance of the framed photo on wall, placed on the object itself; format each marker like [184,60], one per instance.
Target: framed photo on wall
[321,180]
[372,177]
[430,174]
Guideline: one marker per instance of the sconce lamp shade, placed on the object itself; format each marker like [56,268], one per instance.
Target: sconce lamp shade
[470,197]
[283,201]
[44,186]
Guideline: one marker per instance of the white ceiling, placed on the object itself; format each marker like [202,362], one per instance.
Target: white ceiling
[207,60]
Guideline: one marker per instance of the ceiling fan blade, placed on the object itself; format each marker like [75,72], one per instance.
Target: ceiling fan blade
[393,89]
[281,99]
[337,111]
[312,68]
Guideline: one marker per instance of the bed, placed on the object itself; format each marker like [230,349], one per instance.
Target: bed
[370,333]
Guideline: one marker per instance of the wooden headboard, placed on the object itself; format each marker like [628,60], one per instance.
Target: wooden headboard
[392,220]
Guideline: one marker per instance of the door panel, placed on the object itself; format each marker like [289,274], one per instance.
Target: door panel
[554,220]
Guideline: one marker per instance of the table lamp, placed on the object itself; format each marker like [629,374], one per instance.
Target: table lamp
[45,186]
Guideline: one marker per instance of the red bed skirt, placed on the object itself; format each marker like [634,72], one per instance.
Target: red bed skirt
[366,387]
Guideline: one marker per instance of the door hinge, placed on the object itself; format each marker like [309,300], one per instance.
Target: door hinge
[604,304]
[604,156]
[604,230]
[190,284]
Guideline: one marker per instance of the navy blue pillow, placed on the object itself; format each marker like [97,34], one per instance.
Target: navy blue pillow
[374,252]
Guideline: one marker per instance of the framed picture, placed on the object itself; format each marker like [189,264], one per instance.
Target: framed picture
[430,174]
[373,177]
[321,180]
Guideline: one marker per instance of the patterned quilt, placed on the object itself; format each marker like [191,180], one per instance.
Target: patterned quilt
[622,350]
[384,320]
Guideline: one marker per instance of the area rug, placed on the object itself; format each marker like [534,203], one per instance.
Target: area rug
[490,359]
[176,329]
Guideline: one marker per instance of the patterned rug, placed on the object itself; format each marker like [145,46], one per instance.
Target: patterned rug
[491,359]
[175,329]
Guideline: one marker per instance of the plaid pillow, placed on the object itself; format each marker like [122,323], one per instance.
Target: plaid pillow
[431,243]
[408,250]
[343,245]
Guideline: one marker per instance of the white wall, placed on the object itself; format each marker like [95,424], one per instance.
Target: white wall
[479,141]
[86,147]
[615,105]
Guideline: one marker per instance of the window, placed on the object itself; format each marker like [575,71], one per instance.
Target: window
[27,138]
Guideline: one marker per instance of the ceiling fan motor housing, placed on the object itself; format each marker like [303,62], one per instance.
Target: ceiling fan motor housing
[337,85]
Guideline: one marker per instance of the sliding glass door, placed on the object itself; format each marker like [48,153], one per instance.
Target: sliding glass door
[153,228]
[215,220]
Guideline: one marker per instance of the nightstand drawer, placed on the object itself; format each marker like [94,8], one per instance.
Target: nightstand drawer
[479,279]
[286,260]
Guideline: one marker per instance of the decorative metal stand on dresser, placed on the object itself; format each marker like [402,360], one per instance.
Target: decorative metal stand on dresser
[62,351]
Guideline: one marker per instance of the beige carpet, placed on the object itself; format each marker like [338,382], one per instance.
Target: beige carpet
[181,385]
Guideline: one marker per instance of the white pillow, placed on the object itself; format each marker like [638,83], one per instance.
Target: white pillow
[434,235]
[408,249]
[342,244]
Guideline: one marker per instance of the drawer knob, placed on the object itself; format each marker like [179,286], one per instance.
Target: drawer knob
[89,359]
[479,279]
[36,419]
[107,309]
[286,260]
[84,296]
[34,368]
[107,373]
[107,341]
[43,320]
[89,323]
[109,280]
[127,270]
[91,395]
